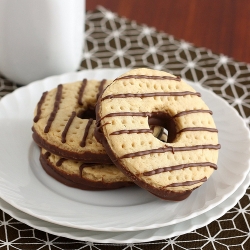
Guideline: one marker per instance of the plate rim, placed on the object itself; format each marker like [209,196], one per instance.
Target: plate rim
[131,228]
[110,238]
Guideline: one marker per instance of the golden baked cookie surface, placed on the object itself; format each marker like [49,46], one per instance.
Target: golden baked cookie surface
[83,175]
[144,97]
[64,121]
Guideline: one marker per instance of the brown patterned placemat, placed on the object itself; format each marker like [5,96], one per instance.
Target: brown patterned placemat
[114,42]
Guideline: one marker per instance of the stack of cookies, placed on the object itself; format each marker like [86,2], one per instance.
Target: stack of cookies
[63,128]
[100,135]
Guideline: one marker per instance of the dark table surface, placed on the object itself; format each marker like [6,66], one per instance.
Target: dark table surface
[221,26]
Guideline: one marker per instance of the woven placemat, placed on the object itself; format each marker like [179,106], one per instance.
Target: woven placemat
[114,42]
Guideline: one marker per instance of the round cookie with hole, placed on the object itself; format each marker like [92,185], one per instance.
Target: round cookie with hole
[142,98]
[64,121]
[82,175]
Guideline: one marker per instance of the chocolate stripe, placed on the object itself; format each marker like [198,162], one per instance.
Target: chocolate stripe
[150,77]
[60,162]
[198,129]
[84,83]
[143,114]
[181,166]
[99,128]
[150,114]
[100,90]
[193,111]
[55,109]
[83,142]
[131,131]
[168,149]
[66,128]
[47,155]
[84,165]
[151,94]
[187,183]
[39,105]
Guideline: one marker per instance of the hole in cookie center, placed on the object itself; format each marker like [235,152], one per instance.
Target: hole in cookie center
[163,126]
[87,113]
[160,133]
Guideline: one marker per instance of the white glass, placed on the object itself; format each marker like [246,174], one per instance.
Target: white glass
[40,38]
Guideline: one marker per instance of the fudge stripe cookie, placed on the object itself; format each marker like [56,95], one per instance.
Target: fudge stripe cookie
[143,98]
[83,175]
[64,121]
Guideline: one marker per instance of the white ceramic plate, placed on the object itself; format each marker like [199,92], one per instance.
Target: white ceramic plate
[24,184]
[130,237]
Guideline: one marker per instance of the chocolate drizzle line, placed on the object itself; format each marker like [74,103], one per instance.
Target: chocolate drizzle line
[55,109]
[193,111]
[84,165]
[66,128]
[150,77]
[39,105]
[153,94]
[60,162]
[106,123]
[198,129]
[181,166]
[47,155]
[101,87]
[84,83]
[150,114]
[131,131]
[143,114]
[187,183]
[168,149]
[83,142]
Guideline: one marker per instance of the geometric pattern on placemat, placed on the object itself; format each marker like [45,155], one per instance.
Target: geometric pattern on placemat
[6,86]
[114,42]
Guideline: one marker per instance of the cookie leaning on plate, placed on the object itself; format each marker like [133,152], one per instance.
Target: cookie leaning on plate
[64,121]
[81,175]
[142,98]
